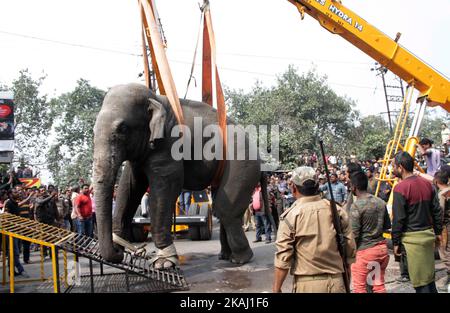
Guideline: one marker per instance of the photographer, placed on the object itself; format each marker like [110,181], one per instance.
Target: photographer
[45,207]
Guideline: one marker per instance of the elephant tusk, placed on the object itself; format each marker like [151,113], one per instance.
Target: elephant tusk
[122,242]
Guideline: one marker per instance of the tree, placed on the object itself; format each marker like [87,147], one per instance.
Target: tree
[304,107]
[33,119]
[431,128]
[71,156]
[371,137]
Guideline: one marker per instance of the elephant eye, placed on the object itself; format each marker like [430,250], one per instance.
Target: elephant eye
[122,128]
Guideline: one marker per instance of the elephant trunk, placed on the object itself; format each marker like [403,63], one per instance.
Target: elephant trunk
[105,171]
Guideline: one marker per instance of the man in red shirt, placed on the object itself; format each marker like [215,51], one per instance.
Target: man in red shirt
[83,210]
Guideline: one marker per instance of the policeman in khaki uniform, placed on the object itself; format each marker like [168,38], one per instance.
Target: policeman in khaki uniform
[306,240]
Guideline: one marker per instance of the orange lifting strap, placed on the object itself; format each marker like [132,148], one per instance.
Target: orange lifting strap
[208,66]
[160,64]
[150,34]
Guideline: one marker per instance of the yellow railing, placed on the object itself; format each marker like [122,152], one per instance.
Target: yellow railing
[55,239]
[12,226]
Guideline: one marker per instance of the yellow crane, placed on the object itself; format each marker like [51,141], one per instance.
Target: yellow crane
[339,20]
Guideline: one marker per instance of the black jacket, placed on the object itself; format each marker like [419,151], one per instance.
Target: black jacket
[415,208]
[46,209]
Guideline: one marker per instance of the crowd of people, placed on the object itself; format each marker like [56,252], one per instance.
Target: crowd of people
[419,222]
[280,197]
[71,208]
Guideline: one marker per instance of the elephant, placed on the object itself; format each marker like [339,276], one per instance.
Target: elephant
[133,132]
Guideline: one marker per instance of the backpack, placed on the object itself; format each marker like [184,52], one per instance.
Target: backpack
[256,202]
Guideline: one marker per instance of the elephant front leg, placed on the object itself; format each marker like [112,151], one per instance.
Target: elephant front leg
[163,195]
[132,186]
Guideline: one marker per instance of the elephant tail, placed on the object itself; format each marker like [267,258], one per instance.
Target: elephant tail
[263,182]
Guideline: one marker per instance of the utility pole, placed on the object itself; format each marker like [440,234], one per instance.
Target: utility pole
[151,79]
[388,95]
[383,71]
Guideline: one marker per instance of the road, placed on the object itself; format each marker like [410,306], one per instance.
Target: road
[205,273]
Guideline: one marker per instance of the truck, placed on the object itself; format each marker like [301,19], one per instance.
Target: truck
[197,221]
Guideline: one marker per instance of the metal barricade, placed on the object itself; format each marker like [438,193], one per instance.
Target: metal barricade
[56,239]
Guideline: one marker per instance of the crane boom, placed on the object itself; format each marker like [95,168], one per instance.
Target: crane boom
[338,19]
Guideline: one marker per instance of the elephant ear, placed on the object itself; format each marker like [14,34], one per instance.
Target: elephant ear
[157,121]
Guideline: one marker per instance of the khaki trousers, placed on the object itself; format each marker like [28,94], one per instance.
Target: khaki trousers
[327,283]
[444,249]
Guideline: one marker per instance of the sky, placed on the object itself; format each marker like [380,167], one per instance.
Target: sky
[100,40]
[256,40]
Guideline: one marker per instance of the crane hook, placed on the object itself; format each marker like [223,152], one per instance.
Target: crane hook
[301,9]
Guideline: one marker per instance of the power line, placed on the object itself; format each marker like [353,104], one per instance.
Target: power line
[70,44]
[220,53]
[293,58]
[273,75]
[283,58]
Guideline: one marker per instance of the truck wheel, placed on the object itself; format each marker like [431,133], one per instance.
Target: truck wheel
[194,231]
[206,230]
[138,233]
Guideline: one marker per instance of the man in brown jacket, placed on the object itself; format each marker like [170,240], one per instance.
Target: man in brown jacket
[306,240]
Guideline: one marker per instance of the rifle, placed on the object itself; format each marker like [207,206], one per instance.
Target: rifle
[340,240]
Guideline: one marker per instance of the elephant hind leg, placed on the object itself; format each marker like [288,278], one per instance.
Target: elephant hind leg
[234,243]
[225,251]
[231,201]
[237,242]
